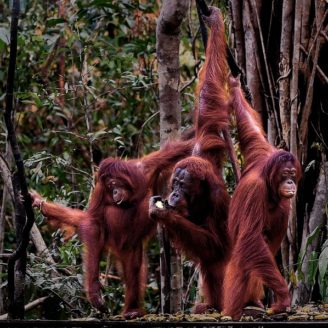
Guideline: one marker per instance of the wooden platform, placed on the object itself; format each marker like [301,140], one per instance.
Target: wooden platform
[117,324]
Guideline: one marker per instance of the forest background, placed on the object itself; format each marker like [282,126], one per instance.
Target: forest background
[86,87]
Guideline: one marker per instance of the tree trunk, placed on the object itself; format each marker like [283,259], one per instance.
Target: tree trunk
[292,222]
[253,63]
[285,68]
[307,108]
[266,78]
[20,265]
[236,8]
[167,48]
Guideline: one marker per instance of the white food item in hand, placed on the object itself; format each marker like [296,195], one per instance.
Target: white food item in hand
[159,204]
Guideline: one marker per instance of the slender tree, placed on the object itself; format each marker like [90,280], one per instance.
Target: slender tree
[17,261]
[167,48]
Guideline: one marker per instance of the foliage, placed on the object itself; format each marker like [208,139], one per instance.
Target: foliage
[63,280]
[323,271]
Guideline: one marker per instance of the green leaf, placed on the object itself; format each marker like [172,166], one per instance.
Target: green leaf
[51,40]
[310,238]
[313,235]
[313,267]
[117,130]
[325,244]
[101,3]
[96,135]
[25,98]
[54,21]
[309,166]
[5,35]
[323,263]
[119,141]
